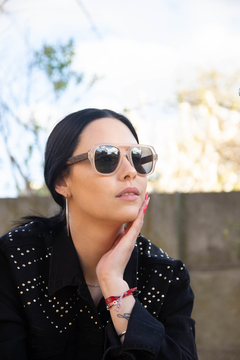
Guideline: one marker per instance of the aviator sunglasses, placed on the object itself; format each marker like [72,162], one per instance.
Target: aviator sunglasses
[106,158]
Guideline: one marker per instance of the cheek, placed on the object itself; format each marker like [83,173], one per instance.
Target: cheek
[91,189]
[143,184]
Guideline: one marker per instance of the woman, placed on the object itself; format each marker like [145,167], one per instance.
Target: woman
[79,286]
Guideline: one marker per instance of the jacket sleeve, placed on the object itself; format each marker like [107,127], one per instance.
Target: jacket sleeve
[171,336]
[12,329]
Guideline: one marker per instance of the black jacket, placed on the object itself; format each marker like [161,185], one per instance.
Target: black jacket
[46,310]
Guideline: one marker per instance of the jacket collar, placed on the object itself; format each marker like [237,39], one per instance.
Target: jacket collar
[65,269]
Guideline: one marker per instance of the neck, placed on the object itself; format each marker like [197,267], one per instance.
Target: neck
[92,241]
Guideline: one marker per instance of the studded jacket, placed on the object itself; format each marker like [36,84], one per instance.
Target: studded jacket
[46,310]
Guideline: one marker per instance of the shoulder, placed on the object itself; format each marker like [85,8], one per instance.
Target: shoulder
[25,250]
[160,279]
[152,257]
[33,232]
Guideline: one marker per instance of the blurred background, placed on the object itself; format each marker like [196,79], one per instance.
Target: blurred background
[172,67]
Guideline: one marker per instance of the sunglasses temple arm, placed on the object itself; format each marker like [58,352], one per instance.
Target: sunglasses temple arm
[77,158]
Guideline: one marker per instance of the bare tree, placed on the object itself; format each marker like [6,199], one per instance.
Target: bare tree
[55,61]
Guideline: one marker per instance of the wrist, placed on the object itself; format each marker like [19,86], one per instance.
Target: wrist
[113,286]
[117,299]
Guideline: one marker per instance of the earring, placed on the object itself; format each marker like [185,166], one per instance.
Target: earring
[67,215]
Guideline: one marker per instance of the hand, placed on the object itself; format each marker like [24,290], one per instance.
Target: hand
[111,266]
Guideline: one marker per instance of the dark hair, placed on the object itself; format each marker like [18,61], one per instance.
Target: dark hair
[60,146]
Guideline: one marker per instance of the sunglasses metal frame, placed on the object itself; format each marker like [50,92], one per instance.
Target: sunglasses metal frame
[124,150]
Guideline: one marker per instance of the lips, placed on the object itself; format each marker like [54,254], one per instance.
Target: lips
[129,191]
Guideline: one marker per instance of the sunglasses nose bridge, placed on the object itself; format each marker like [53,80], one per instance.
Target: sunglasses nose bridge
[127,154]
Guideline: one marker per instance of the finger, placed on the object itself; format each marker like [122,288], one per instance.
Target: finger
[133,228]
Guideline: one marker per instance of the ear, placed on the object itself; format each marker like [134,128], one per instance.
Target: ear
[61,187]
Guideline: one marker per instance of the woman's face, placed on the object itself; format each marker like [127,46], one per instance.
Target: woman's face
[95,197]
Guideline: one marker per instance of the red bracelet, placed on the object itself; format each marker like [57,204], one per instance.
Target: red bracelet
[117,300]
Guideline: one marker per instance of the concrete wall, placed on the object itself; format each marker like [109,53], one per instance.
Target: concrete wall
[204,231]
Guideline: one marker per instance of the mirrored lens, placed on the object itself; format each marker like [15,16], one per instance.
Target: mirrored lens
[106,159]
[142,158]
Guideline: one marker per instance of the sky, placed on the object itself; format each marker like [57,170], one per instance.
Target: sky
[139,50]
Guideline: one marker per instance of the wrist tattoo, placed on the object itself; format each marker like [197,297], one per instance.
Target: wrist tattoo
[124,316]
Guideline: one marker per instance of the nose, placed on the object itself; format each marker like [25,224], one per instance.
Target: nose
[126,170]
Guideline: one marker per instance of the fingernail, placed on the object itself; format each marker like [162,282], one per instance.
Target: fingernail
[146,196]
[145,208]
